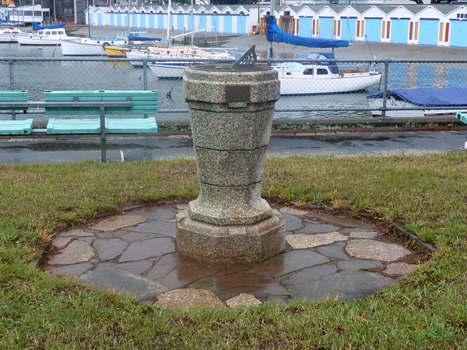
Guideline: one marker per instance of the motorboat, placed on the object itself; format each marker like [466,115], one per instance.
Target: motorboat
[319,72]
[44,37]
[116,51]
[92,46]
[9,35]
[419,102]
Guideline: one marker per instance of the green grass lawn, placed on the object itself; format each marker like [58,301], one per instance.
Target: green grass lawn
[426,310]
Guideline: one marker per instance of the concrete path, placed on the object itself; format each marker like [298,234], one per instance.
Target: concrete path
[32,151]
[327,256]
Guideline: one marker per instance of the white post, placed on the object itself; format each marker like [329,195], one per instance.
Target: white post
[75,14]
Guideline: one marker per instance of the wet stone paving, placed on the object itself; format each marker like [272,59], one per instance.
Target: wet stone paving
[134,252]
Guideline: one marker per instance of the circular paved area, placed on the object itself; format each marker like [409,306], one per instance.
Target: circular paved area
[135,253]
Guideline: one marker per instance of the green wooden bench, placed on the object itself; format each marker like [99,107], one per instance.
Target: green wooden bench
[16,127]
[9,99]
[85,103]
[113,103]
[462,117]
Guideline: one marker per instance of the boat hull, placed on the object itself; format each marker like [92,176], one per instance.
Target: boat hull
[78,48]
[398,109]
[9,35]
[32,41]
[169,70]
[405,103]
[116,51]
[293,85]
[141,55]
[304,85]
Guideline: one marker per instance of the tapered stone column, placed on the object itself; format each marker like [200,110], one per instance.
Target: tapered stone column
[231,118]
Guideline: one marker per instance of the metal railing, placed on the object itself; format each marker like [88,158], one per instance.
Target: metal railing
[39,74]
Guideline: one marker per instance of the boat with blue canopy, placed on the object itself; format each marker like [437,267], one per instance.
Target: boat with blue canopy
[419,102]
[318,73]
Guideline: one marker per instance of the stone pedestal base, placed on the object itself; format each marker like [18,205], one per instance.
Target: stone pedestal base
[232,243]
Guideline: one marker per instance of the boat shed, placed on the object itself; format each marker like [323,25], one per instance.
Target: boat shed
[455,27]
[326,17]
[347,23]
[425,27]
[398,25]
[372,24]
[306,23]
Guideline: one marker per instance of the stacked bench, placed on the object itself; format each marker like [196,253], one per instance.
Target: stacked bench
[84,103]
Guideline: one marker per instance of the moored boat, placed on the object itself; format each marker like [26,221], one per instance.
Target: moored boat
[93,46]
[80,47]
[176,58]
[419,102]
[44,37]
[311,78]
[138,37]
[116,51]
[105,40]
[319,74]
[9,35]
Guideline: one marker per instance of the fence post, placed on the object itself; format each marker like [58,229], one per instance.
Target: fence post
[12,85]
[385,87]
[103,140]
[145,78]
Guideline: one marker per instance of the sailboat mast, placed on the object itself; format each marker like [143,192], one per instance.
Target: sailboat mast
[192,23]
[271,13]
[129,18]
[168,21]
[89,22]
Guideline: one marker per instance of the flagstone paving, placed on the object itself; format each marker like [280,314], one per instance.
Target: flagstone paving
[135,253]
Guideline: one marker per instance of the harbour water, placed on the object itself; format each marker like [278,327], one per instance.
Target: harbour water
[49,71]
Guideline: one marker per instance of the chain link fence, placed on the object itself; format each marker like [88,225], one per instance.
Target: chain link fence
[39,74]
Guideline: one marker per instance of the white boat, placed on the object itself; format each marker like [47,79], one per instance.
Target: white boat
[302,78]
[9,35]
[180,57]
[44,37]
[81,47]
[105,40]
[138,37]
[406,103]
[177,55]
[319,74]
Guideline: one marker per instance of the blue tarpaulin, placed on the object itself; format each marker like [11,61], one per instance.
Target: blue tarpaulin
[36,26]
[428,97]
[275,34]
